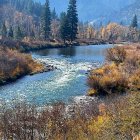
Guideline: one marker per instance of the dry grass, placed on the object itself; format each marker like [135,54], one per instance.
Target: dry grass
[107,80]
[119,119]
[132,50]
[14,64]
[28,45]
[116,54]
[121,75]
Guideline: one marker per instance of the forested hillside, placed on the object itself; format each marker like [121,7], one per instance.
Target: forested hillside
[96,11]
[121,10]
[26,6]
[25,19]
[127,13]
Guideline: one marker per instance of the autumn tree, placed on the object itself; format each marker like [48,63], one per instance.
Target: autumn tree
[90,32]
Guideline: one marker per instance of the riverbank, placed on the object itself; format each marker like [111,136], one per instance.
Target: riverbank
[120,75]
[32,45]
[27,46]
[14,65]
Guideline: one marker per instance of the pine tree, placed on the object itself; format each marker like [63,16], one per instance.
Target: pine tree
[53,14]
[10,33]
[18,33]
[63,26]
[32,34]
[30,6]
[72,20]
[4,30]
[46,21]
[134,23]
[3,2]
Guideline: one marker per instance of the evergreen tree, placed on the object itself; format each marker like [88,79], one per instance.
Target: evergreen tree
[63,26]
[32,33]
[30,6]
[72,20]
[46,21]
[4,30]
[53,14]
[134,23]
[18,33]
[3,2]
[10,33]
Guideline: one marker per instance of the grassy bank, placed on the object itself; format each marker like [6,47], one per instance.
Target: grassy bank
[14,65]
[120,75]
[31,45]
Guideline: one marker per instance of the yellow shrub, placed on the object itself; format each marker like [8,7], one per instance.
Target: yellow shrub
[116,54]
[107,79]
[135,81]
[14,64]
[92,92]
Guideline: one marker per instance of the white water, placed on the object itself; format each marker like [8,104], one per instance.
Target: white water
[66,83]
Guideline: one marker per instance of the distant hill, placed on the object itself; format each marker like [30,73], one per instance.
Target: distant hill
[126,14]
[92,10]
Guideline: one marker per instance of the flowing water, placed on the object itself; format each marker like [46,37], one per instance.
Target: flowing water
[66,83]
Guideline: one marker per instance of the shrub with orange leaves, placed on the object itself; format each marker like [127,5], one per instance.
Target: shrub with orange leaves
[116,54]
[134,81]
[14,65]
[108,79]
[122,75]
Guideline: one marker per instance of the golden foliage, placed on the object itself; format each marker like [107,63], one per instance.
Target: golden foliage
[108,79]
[116,54]
[122,75]
[118,119]
[14,64]
[92,92]
[135,81]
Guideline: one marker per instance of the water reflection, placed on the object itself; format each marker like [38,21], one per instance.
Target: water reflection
[71,51]
[89,53]
[66,52]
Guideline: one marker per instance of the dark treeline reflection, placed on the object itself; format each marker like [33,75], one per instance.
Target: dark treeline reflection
[66,52]
[70,51]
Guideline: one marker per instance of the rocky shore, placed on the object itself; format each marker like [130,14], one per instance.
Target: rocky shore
[46,68]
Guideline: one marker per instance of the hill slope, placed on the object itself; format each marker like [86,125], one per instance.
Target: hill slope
[92,9]
[126,14]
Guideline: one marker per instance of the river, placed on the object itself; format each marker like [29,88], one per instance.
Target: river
[68,82]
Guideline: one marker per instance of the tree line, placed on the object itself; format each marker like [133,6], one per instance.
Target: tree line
[45,24]
[111,32]
[27,6]
[49,25]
